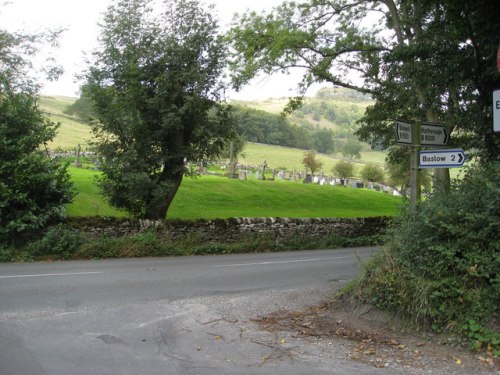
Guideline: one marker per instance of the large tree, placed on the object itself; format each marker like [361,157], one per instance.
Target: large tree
[33,187]
[155,88]
[425,60]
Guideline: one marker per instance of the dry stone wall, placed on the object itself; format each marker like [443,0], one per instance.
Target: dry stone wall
[233,229]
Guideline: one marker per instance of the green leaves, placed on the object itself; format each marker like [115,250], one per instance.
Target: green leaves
[155,86]
[33,187]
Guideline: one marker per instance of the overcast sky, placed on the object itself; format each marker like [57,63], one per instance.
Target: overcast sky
[80,18]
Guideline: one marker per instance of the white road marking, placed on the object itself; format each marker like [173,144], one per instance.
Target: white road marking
[280,262]
[50,274]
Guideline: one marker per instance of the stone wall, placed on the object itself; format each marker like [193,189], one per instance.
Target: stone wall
[233,229]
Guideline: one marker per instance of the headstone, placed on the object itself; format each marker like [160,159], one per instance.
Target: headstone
[315,179]
[264,165]
[322,181]
[78,164]
[242,175]
[308,179]
[202,170]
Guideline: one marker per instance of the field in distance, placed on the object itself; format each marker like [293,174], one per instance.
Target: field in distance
[210,197]
[72,133]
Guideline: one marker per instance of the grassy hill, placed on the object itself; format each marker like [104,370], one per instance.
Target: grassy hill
[278,157]
[71,132]
[212,197]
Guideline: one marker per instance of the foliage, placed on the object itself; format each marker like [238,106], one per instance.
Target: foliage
[155,86]
[425,60]
[33,188]
[343,169]
[372,173]
[62,243]
[398,170]
[262,127]
[59,243]
[442,259]
[352,149]
[311,162]
[82,107]
[323,141]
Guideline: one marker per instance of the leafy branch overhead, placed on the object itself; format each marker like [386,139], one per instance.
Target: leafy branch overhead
[423,60]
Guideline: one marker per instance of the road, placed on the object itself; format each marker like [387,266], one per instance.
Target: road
[182,315]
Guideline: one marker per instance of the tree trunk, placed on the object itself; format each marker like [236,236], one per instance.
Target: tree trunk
[173,172]
[441,179]
[157,208]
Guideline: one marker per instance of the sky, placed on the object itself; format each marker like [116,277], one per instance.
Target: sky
[80,18]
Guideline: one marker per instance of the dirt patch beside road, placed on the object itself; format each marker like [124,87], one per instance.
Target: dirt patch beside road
[378,339]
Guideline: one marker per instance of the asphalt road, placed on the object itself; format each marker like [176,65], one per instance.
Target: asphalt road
[185,315]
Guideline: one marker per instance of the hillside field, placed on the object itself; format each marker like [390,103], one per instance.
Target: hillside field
[72,132]
[210,197]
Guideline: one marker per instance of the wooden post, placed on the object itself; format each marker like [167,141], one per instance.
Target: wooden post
[415,187]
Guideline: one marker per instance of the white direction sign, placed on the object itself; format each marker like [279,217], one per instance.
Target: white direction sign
[433,135]
[496,110]
[441,158]
[404,133]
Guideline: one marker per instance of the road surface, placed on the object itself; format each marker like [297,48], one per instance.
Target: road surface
[180,315]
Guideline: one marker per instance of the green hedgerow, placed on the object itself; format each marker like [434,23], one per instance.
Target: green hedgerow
[441,260]
[59,242]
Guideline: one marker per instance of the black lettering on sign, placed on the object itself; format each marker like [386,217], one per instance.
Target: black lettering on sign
[497,104]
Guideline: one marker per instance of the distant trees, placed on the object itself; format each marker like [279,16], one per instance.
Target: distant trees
[343,169]
[323,141]
[352,149]
[33,187]
[372,173]
[311,162]
[155,87]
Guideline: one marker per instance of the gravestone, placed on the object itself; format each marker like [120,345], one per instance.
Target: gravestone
[308,179]
[78,164]
[242,175]
[264,165]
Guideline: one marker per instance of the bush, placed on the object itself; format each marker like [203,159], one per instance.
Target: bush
[59,242]
[442,259]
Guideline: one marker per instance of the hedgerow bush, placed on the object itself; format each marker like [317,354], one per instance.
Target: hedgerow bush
[59,242]
[441,260]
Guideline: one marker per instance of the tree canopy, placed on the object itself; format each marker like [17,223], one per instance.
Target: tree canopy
[156,91]
[33,187]
[421,60]
[311,161]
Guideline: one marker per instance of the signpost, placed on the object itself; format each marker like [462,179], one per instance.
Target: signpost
[415,135]
[496,110]
[404,133]
[433,135]
[441,158]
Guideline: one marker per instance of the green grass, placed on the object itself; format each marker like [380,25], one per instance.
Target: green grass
[88,201]
[210,197]
[71,132]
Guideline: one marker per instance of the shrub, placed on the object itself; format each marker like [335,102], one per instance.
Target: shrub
[442,259]
[58,242]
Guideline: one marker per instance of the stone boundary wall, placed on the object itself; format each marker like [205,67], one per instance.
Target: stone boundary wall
[233,229]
